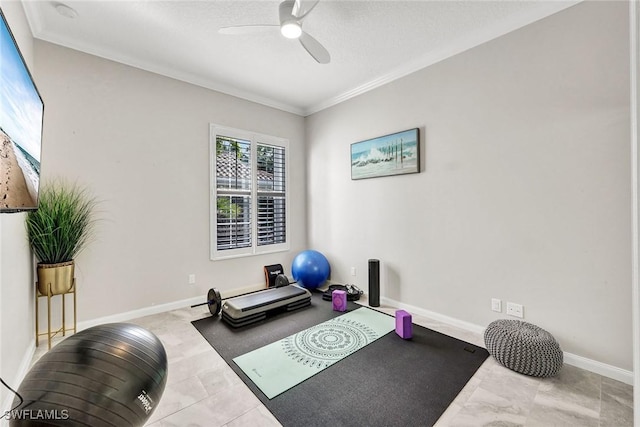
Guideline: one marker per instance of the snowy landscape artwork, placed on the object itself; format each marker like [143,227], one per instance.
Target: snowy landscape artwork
[398,153]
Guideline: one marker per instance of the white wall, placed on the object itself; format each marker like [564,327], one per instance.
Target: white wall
[16,267]
[140,142]
[524,193]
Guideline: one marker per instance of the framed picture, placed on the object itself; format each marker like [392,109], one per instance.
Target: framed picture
[395,154]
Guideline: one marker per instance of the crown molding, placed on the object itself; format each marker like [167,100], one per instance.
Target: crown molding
[455,47]
[545,9]
[35,23]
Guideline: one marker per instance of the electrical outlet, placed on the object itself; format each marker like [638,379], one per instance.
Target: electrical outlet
[496,305]
[353,271]
[514,309]
[192,279]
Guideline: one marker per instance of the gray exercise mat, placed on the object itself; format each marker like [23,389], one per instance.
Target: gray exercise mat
[390,382]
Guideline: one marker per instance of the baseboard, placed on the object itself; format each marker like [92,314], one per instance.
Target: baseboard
[450,321]
[591,365]
[146,311]
[603,369]
[155,309]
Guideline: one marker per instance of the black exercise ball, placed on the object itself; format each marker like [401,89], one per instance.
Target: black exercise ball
[107,375]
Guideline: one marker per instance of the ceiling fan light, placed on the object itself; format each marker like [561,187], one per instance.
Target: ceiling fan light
[291,29]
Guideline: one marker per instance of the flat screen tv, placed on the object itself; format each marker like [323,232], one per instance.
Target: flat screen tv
[21,116]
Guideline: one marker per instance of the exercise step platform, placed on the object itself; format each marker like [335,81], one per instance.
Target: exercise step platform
[248,309]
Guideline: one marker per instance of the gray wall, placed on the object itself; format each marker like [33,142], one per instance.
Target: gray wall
[140,142]
[525,189]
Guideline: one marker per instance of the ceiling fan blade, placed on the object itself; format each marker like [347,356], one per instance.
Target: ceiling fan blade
[315,49]
[301,14]
[247,29]
[297,7]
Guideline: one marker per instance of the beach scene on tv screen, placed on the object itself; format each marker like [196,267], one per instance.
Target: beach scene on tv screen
[21,112]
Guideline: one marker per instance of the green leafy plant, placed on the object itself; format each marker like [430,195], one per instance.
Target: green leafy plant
[63,223]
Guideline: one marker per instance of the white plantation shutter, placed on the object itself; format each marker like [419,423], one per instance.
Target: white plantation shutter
[233,224]
[233,193]
[271,209]
[249,193]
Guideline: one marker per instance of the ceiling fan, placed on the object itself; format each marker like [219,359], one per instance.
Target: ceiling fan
[291,17]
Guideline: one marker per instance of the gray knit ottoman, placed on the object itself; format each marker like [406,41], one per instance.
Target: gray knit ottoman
[523,347]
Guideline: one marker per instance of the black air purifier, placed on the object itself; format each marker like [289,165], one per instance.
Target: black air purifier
[374,283]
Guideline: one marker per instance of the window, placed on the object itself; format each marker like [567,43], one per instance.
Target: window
[248,193]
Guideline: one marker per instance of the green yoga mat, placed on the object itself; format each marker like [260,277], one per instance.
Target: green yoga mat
[277,367]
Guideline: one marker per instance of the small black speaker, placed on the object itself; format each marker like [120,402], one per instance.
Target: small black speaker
[374,283]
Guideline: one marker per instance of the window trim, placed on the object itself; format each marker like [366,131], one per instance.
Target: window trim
[254,138]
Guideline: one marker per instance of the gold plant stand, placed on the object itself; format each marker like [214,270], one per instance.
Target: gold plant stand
[50,334]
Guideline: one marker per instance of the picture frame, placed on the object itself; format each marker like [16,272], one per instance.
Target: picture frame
[394,154]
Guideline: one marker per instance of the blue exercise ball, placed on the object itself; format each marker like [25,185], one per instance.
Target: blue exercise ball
[310,269]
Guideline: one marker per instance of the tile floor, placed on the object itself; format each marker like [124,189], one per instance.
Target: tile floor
[202,390]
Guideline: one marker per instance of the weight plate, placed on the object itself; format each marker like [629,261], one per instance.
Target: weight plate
[281,280]
[214,301]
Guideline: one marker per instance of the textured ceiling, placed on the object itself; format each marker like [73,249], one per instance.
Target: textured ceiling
[370,42]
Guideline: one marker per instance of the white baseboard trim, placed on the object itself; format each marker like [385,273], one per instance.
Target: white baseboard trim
[134,314]
[591,365]
[603,369]
[450,321]
[161,308]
